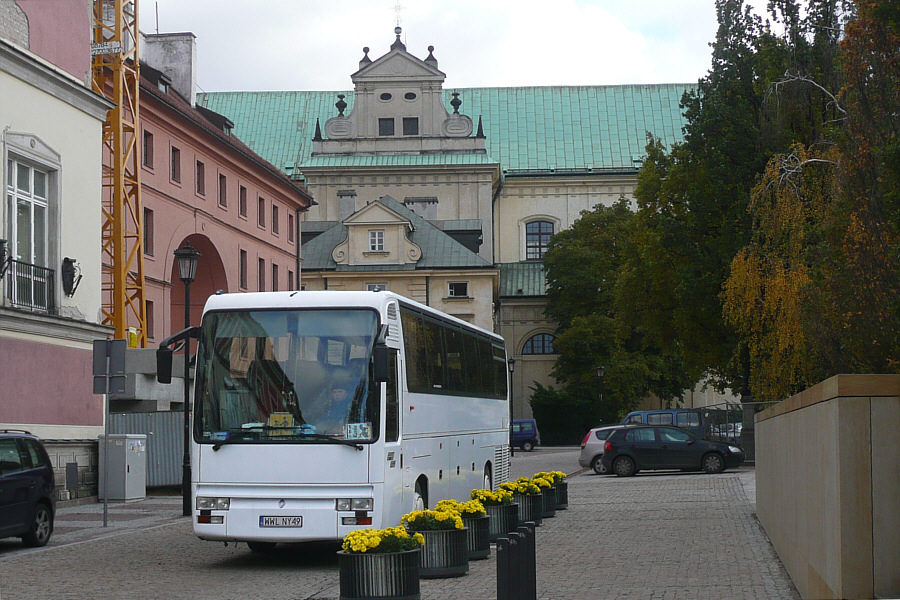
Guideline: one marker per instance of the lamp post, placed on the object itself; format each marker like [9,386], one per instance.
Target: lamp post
[511,364]
[600,371]
[187,258]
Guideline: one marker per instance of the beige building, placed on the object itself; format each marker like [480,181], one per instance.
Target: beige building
[477,173]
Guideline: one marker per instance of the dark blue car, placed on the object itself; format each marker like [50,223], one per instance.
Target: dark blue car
[27,489]
[525,434]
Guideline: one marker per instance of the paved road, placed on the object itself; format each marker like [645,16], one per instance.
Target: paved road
[654,536]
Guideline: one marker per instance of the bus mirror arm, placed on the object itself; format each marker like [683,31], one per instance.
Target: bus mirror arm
[164,353]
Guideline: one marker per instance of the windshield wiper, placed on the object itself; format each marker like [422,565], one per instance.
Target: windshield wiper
[332,440]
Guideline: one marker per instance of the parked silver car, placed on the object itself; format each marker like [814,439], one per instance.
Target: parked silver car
[592,447]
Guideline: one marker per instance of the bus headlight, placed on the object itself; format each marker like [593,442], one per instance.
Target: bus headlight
[208,503]
[353,504]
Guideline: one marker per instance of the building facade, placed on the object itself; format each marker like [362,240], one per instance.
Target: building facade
[50,252]
[511,165]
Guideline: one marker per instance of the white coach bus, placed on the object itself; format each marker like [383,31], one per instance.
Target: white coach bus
[316,413]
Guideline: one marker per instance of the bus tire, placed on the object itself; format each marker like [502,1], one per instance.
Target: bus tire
[420,496]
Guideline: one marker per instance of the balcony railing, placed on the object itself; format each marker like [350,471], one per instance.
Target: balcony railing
[31,287]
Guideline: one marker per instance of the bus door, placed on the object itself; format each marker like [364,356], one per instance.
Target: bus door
[394,461]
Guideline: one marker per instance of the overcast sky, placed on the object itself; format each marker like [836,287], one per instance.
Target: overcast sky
[317,44]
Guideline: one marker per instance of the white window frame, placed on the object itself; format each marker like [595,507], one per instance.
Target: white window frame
[376,240]
[451,288]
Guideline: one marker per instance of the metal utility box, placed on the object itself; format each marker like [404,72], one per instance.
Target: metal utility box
[127,467]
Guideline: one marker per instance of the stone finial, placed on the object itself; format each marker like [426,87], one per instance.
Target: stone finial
[455,103]
[318,135]
[340,105]
[397,43]
[365,60]
[431,60]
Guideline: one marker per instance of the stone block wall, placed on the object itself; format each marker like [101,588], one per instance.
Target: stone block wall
[828,483]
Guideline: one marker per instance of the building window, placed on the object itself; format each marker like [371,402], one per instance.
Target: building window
[201,178]
[537,238]
[28,194]
[147,150]
[385,127]
[242,192]
[376,287]
[541,343]
[302,287]
[376,240]
[290,281]
[148,232]
[458,289]
[175,165]
[261,275]
[223,190]
[274,277]
[261,211]
[410,126]
[149,320]
[243,266]
[274,219]
[290,228]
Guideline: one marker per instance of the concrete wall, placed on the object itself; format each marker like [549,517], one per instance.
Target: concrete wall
[828,484]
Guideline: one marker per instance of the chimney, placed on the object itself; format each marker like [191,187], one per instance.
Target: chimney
[175,55]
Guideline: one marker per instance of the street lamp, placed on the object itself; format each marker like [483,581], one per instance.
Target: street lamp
[511,364]
[187,258]
[600,371]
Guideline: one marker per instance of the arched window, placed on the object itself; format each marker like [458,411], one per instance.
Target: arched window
[542,343]
[537,238]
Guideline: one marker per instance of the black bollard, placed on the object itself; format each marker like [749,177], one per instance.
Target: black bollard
[528,561]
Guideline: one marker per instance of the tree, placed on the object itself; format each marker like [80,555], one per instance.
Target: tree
[583,266]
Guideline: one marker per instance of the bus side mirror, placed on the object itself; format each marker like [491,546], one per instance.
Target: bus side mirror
[380,362]
[164,365]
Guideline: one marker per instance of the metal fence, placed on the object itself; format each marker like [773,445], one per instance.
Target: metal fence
[165,442]
[733,422]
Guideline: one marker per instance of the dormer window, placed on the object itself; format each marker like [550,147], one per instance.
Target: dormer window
[410,126]
[376,240]
[385,127]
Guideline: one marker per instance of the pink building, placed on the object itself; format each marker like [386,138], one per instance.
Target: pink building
[202,185]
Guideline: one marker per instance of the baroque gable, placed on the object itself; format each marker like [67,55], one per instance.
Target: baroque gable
[377,235]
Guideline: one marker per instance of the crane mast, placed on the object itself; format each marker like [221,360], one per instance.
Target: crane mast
[116,75]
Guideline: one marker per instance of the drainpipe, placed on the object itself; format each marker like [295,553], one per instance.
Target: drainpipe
[428,290]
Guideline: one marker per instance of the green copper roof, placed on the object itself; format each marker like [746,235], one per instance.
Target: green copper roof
[522,279]
[398,160]
[439,250]
[527,129]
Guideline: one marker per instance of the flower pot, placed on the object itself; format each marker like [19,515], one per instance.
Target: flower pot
[549,506]
[504,518]
[531,506]
[373,576]
[479,537]
[562,495]
[445,553]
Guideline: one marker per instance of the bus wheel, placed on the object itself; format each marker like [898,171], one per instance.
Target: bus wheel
[420,497]
[261,547]
[487,477]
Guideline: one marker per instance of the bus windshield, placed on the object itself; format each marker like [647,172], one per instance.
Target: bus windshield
[286,376]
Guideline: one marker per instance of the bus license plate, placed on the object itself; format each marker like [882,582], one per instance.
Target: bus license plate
[281,521]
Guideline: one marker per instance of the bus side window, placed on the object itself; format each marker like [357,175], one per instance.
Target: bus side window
[392,401]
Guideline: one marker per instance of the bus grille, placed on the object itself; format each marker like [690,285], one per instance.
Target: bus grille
[501,466]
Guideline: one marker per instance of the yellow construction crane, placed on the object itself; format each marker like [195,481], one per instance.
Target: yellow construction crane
[116,75]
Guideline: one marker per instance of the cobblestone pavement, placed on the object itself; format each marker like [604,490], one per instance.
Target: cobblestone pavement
[654,536]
